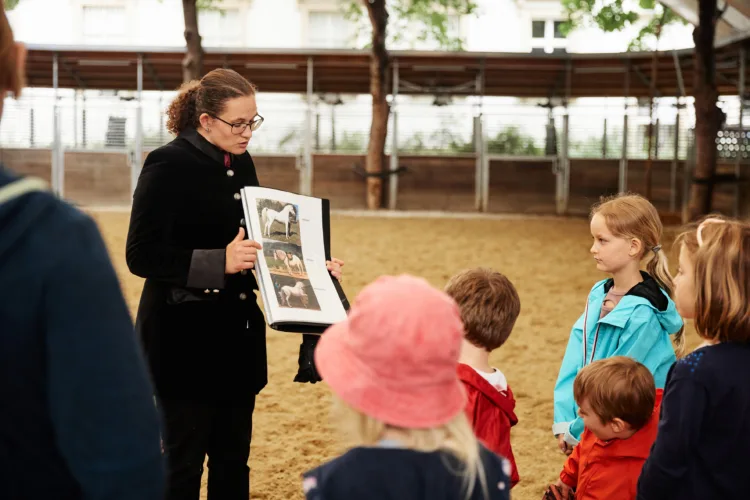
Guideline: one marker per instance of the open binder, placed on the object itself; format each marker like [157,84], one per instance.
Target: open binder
[299,294]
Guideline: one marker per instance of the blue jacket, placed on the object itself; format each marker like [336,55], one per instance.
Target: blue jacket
[638,327]
[77,416]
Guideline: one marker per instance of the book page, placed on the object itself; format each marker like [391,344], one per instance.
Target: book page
[291,268]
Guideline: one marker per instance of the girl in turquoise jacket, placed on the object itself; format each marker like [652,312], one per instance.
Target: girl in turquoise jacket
[629,314]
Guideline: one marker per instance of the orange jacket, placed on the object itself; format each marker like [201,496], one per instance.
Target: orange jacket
[609,470]
[491,415]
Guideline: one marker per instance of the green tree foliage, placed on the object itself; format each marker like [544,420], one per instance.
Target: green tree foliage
[616,15]
[413,21]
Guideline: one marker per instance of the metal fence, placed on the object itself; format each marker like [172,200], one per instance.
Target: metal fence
[98,120]
[89,120]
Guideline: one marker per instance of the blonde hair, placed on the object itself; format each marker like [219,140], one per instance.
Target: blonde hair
[720,252]
[633,216]
[617,387]
[456,437]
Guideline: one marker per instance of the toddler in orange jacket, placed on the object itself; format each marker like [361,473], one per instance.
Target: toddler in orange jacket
[619,404]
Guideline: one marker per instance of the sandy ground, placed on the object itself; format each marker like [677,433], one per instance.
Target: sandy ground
[547,260]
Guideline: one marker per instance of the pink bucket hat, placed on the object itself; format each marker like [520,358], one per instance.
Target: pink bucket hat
[395,357]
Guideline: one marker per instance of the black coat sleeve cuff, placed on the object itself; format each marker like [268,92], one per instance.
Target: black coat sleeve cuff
[207,269]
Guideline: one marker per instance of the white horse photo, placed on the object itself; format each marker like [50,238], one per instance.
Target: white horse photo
[269,216]
[291,261]
[298,291]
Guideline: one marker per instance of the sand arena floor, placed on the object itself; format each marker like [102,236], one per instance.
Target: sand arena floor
[548,262]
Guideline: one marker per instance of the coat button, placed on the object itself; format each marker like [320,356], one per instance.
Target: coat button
[243,296]
[237,196]
[243,272]
[230,173]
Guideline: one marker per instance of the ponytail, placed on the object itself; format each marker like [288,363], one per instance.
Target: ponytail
[182,113]
[658,268]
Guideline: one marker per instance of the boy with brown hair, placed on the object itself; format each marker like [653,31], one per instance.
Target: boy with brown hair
[619,404]
[489,306]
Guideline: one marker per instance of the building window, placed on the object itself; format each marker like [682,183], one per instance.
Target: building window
[558,33]
[537,29]
[104,24]
[328,30]
[220,28]
[546,36]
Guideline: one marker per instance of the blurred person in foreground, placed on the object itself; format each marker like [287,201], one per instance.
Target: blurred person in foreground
[77,418]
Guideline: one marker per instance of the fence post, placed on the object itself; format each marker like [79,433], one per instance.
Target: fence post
[135,168]
[481,171]
[675,161]
[622,181]
[562,205]
[306,172]
[741,132]
[393,178]
[58,157]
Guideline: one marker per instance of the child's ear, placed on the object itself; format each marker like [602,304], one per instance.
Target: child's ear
[636,246]
[618,425]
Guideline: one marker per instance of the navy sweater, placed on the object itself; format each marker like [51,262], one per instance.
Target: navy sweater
[702,450]
[77,416]
[402,474]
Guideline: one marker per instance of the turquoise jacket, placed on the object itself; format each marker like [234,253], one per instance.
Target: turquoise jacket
[639,327]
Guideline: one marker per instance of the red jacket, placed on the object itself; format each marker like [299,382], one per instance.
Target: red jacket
[609,470]
[491,414]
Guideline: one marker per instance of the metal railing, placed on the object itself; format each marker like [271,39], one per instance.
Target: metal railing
[90,120]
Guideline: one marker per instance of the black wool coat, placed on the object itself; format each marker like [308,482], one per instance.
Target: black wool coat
[202,330]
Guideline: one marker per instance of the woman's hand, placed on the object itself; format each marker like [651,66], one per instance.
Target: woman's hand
[335,267]
[241,253]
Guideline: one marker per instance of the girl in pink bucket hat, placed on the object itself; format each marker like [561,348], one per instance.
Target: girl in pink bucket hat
[392,366]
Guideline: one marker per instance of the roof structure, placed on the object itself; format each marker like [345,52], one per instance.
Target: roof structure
[734,22]
[347,71]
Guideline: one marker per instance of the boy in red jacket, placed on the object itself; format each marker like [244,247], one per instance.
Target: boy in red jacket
[489,307]
[619,405]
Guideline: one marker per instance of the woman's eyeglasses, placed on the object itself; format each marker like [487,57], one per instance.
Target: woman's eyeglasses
[239,128]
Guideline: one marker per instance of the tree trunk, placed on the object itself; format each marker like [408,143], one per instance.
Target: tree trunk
[192,64]
[379,62]
[707,117]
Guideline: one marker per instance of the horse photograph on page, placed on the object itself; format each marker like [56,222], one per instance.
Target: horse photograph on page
[294,293]
[285,259]
[279,221]
[291,261]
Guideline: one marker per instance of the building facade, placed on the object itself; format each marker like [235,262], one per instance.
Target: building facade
[498,26]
